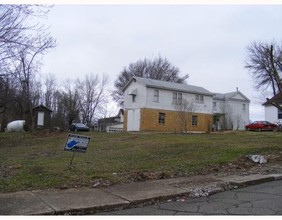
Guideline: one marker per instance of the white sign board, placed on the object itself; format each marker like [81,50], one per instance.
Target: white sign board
[77,143]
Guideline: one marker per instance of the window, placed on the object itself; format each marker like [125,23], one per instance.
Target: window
[214,106]
[194,120]
[279,114]
[199,98]
[244,107]
[161,118]
[177,98]
[156,95]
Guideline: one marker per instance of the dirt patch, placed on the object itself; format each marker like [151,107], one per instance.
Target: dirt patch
[244,165]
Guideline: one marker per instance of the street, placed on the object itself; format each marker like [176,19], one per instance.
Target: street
[262,199]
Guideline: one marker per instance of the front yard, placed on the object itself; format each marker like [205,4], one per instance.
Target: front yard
[38,161]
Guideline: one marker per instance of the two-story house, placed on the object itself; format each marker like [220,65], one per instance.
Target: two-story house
[150,105]
[154,105]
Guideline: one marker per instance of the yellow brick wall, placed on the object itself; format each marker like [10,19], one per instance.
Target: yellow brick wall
[150,121]
[125,121]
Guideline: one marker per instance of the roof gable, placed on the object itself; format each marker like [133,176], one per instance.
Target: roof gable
[237,95]
[42,107]
[277,98]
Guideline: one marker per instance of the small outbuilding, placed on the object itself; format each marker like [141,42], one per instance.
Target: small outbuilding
[41,116]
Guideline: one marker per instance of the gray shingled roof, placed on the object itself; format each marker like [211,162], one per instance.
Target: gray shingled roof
[181,87]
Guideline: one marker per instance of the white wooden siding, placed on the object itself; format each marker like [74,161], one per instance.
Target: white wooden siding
[239,116]
[271,114]
[140,99]
[166,97]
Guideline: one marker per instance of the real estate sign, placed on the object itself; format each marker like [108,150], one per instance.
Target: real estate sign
[77,143]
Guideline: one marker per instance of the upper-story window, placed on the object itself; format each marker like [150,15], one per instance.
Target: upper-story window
[244,107]
[177,98]
[214,106]
[199,98]
[156,95]
[133,98]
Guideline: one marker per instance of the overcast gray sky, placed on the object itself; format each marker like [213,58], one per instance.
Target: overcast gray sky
[206,41]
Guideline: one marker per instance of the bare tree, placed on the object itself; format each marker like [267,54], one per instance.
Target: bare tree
[27,62]
[50,89]
[228,117]
[22,44]
[58,118]
[69,102]
[265,64]
[185,110]
[158,68]
[92,95]
[17,28]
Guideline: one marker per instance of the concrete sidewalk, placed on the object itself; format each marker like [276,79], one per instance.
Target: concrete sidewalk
[87,200]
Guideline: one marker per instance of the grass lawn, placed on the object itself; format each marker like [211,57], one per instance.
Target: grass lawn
[38,161]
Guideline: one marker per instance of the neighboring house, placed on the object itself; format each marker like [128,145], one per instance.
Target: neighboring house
[150,105]
[272,113]
[112,124]
[230,111]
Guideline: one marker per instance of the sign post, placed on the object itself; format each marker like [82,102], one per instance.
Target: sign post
[76,143]
[72,159]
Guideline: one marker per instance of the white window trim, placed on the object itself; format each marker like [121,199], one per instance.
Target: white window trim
[199,99]
[156,97]
[177,98]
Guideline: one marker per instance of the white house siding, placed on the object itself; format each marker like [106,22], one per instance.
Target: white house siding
[271,114]
[219,106]
[140,98]
[166,96]
[238,97]
[115,128]
[238,115]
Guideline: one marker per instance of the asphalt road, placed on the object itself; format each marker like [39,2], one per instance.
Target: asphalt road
[262,199]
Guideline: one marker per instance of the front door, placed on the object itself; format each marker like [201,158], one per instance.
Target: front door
[133,120]
[40,119]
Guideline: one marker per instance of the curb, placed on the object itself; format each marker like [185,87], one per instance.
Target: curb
[222,185]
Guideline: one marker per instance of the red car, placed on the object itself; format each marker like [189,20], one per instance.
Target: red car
[261,126]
